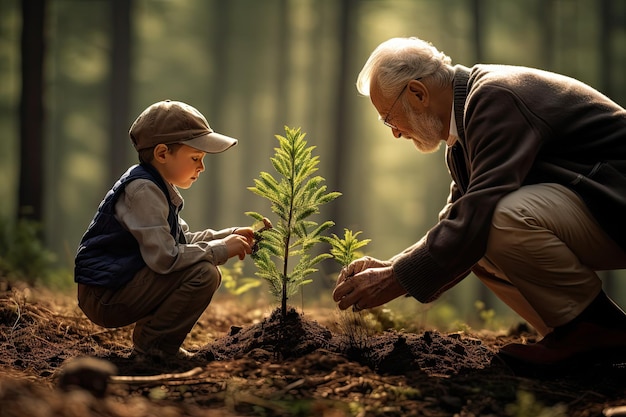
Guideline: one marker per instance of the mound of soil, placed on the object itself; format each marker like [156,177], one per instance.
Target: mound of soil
[277,336]
[391,352]
[251,365]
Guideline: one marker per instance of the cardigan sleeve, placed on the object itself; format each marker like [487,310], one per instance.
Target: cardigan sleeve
[502,140]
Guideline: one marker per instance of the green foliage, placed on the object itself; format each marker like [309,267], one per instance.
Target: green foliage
[403,393]
[528,406]
[294,196]
[490,320]
[233,280]
[346,250]
[22,252]
[486,315]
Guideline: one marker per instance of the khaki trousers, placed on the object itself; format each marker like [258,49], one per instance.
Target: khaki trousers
[542,255]
[164,307]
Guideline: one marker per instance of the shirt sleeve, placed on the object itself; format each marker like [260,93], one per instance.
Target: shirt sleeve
[143,209]
[204,235]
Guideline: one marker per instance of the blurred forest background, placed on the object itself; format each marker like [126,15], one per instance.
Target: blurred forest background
[74,74]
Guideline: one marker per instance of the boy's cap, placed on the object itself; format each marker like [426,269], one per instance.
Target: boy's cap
[176,122]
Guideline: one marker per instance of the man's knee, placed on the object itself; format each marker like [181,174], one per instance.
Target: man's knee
[508,223]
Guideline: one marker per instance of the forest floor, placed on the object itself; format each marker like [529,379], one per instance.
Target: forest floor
[249,363]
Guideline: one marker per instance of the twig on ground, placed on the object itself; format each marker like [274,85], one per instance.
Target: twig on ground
[155,379]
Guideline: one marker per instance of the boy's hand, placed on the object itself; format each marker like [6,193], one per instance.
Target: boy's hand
[246,232]
[238,244]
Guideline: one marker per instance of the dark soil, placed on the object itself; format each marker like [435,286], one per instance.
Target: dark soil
[247,364]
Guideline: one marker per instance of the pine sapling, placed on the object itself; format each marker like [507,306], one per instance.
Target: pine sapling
[295,196]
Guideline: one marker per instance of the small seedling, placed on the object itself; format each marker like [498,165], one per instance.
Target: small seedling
[356,327]
[346,250]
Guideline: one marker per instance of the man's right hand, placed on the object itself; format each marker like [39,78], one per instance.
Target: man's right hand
[366,283]
[359,265]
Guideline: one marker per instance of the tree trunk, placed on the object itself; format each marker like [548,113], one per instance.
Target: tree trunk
[339,164]
[120,85]
[477,13]
[30,200]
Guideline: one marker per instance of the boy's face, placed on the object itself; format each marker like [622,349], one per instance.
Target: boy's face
[181,167]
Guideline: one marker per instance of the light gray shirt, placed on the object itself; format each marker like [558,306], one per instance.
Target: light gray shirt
[143,209]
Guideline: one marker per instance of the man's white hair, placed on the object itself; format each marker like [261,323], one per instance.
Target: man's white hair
[398,60]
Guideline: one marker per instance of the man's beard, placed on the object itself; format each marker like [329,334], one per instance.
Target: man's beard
[425,131]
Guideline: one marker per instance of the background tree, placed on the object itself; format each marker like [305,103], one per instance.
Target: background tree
[120,81]
[30,200]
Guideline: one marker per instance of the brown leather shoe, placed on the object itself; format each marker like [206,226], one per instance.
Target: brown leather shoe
[568,342]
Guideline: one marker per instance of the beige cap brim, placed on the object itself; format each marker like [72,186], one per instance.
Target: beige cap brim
[212,143]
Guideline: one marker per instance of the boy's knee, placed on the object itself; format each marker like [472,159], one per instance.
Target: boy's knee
[205,275]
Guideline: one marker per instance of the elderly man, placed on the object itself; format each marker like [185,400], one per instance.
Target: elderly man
[537,201]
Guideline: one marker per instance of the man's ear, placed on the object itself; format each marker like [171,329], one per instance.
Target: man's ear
[419,93]
[160,152]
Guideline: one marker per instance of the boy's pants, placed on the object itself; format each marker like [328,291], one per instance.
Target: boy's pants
[164,307]
[543,252]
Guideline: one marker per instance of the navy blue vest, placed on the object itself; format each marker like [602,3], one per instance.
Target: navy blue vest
[108,254]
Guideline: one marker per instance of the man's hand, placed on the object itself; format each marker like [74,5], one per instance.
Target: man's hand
[359,265]
[366,283]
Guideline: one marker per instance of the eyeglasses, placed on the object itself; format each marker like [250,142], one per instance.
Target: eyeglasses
[385,120]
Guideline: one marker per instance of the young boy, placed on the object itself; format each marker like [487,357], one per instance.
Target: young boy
[138,262]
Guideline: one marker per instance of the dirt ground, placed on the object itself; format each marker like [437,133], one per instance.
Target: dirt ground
[249,363]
